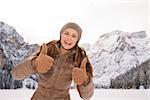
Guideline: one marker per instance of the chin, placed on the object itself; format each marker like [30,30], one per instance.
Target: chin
[68,48]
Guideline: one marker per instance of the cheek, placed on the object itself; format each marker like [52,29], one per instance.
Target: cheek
[62,41]
[75,41]
[62,37]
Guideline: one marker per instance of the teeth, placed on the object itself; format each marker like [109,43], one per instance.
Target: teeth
[67,42]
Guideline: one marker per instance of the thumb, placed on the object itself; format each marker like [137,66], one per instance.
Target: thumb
[83,63]
[43,49]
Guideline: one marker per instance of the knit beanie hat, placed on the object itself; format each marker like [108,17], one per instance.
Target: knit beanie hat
[73,26]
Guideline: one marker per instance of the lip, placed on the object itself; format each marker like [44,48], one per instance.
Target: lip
[67,43]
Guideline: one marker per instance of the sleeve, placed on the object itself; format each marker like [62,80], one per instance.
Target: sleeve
[86,90]
[26,68]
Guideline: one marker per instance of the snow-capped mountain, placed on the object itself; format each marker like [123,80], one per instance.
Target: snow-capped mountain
[117,52]
[13,50]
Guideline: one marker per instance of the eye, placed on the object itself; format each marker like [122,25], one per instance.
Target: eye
[66,33]
[75,36]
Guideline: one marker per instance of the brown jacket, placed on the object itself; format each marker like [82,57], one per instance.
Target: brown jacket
[55,84]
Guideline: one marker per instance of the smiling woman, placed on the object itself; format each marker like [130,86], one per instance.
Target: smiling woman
[58,63]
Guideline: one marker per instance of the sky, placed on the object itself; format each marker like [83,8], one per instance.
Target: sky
[40,21]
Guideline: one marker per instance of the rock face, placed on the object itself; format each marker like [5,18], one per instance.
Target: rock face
[2,59]
[117,52]
[13,50]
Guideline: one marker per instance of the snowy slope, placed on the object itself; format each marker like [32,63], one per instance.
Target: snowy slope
[101,94]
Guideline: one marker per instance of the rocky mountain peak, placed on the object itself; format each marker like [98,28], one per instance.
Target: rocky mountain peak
[13,50]
[116,52]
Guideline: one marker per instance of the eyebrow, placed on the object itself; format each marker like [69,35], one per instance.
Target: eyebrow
[72,34]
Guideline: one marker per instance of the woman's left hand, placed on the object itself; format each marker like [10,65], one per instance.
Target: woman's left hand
[79,74]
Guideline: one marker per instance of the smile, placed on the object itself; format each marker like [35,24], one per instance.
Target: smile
[67,42]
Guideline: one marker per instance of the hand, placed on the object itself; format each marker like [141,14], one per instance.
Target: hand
[79,74]
[43,62]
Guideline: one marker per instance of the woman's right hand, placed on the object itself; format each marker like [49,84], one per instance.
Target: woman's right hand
[43,62]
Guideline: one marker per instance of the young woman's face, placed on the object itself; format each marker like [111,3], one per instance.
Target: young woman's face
[69,38]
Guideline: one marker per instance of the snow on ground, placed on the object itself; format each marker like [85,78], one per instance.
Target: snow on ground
[100,94]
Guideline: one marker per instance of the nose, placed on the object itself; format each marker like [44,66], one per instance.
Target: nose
[69,37]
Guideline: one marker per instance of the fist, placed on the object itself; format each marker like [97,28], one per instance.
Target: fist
[43,62]
[79,75]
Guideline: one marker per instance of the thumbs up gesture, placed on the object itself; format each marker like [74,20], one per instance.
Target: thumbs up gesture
[79,74]
[43,62]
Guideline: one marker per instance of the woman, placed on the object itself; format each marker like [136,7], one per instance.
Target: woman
[57,63]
